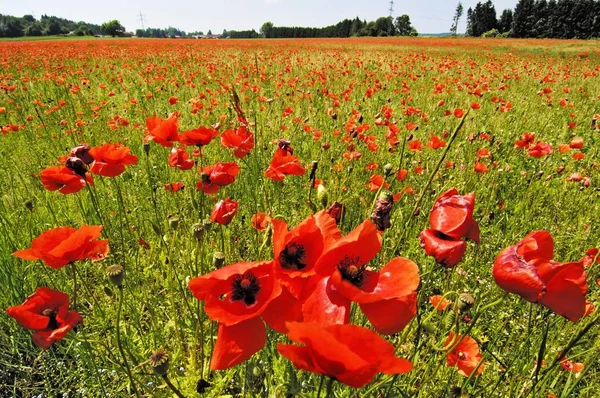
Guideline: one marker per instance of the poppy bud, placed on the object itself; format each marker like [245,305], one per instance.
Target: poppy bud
[336,211]
[29,205]
[257,371]
[334,116]
[326,146]
[410,137]
[387,170]
[218,259]
[465,302]
[285,145]
[77,166]
[82,152]
[147,148]
[160,362]
[173,222]
[381,216]
[322,194]
[115,274]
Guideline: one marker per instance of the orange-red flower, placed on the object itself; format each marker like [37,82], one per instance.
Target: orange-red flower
[527,269]
[283,164]
[200,136]
[110,159]
[174,186]
[451,220]
[439,302]
[63,245]
[237,296]
[46,312]
[465,355]
[260,221]
[216,176]
[224,211]
[180,158]
[376,181]
[540,149]
[240,140]
[350,354]
[63,180]
[162,131]
[526,141]
[387,297]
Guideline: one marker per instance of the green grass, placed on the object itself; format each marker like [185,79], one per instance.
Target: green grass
[159,310]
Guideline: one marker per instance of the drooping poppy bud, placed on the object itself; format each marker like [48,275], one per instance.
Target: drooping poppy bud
[336,211]
[82,152]
[381,216]
[77,166]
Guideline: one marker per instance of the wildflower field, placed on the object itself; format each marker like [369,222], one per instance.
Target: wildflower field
[273,218]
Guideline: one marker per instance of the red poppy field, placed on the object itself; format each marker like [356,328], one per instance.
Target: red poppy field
[311,218]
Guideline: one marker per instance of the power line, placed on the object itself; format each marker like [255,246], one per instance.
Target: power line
[142,19]
[391,10]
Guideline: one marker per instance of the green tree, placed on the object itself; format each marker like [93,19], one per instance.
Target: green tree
[384,26]
[112,28]
[524,19]
[267,30]
[457,15]
[505,21]
[403,26]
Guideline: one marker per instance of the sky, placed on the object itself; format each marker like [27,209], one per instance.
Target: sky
[427,16]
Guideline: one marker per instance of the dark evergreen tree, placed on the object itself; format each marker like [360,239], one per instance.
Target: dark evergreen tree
[505,21]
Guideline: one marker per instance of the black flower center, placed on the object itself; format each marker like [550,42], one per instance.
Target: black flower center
[245,288]
[51,314]
[293,257]
[352,272]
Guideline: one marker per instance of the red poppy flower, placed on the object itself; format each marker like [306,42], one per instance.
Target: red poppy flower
[540,149]
[574,367]
[527,269]
[439,302]
[110,159]
[216,176]
[63,245]
[200,136]
[260,221]
[465,355]
[297,251]
[174,186]
[375,182]
[452,215]
[447,251]
[283,164]
[576,143]
[240,139]
[181,159]
[63,180]
[339,351]
[590,256]
[236,296]
[162,131]
[46,312]
[526,141]
[224,211]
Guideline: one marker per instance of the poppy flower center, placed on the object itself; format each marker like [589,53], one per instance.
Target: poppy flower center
[51,314]
[352,272]
[245,288]
[461,356]
[205,178]
[293,257]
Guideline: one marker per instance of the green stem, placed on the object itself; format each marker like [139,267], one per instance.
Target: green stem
[172,387]
[121,350]
[429,181]
[542,350]
[74,295]
[329,388]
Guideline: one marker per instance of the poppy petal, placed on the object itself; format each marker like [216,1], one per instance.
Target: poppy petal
[237,343]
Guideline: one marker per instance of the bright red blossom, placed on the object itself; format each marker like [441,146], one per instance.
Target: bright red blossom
[240,140]
[527,269]
[224,211]
[63,245]
[465,355]
[63,180]
[339,351]
[110,159]
[46,312]
[162,131]
[180,158]
[216,176]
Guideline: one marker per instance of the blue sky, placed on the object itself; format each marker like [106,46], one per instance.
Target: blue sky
[431,16]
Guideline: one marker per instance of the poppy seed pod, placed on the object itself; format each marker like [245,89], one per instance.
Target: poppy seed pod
[218,259]
[160,362]
[387,170]
[173,222]
[198,231]
[115,274]
[465,302]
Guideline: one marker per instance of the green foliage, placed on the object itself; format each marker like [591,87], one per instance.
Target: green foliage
[170,32]
[505,21]
[491,33]
[457,15]
[112,28]
[47,26]
[403,26]
[481,19]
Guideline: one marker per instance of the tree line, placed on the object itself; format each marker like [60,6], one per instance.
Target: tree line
[28,25]
[384,26]
[560,19]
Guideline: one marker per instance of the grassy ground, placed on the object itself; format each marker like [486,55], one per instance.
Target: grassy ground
[110,87]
